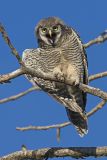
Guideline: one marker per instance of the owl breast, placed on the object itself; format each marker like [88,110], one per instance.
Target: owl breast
[48,60]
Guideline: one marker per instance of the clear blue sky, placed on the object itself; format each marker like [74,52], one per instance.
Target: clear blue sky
[89,18]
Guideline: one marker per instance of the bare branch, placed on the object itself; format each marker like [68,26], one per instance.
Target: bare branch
[7,40]
[58,133]
[14,74]
[99,39]
[61,125]
[98,75]
[45,153]
[94,91]
[18,72]
[50,77]
[6,77]
[35,88]
[95,109]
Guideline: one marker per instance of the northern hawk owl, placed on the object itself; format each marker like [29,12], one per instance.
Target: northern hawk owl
[61,54]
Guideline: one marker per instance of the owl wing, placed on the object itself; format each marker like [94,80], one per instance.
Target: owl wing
[85,64]
[85,74]
[31,59]
[84,56]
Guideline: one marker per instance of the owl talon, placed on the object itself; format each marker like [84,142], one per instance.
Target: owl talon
[60,76]
[74,82]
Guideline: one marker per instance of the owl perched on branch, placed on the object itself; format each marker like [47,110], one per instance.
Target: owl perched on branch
[61,54]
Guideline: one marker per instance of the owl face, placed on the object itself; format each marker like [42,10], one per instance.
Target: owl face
[49,30]
[50,34]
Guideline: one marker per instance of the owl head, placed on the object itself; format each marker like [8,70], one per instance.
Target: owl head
[50,30]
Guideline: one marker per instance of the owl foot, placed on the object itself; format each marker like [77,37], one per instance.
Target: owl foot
[59,75]
[74,81]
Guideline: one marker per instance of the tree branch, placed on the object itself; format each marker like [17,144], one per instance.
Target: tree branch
[98,75]
[61,125]
[35,88]
[94,91]
[18,72]
[7,40]
[50,77]
[6,77]
[99,39]
[45,153]
[95,109]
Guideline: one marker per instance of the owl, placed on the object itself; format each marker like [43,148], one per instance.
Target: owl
[60,52]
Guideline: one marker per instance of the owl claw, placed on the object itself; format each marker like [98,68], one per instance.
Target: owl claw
[59,75]
[74,82]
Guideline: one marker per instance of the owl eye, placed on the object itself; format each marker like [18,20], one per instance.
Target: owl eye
[55,28]
[44,30]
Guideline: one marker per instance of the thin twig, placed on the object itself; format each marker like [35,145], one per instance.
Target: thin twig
[95,109]
[12,98]
[7,40]
[61,125]
[99,39]
[45,153]
[98,75]
[58,133]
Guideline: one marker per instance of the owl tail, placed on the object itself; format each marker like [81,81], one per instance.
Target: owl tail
[79,121]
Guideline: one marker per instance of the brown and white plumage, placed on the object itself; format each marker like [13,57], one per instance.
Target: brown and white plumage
[61,53]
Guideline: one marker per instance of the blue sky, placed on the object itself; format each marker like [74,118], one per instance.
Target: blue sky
[19,18]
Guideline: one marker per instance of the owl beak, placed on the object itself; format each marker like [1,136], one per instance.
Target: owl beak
[51,37]
[50,33]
